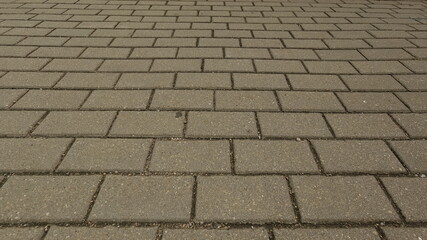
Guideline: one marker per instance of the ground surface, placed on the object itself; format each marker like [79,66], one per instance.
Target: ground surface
[182,119]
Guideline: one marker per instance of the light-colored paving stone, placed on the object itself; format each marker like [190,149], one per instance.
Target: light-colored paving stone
[238,234]
[109,232]
[326,234]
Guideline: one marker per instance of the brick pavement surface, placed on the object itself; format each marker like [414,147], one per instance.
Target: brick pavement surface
[213,119]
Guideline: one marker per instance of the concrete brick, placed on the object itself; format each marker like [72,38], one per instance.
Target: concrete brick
[31,155]
[253,233]
[29,79]
[329,67]
[160,198]
[203,80]
[88,80]
[75,123]
[221,124]
[414,124]
[357,156]
[51,100]
[191,156]
[295,54]
[316,82]
[372,102]
[279,66]
[259,81]
[104,155]
[117,100]
[125,66]
[183,100]
[246,101]
[371,82]
[228,65]
[380,67]
[309,101]
[148,124]
[105,53]
[15,233]
[145,80]
[275,125]
[177,65]
[256,199]
[18,123]
[46,198]
[326,233]
[85,233]
[22,64]
[9,96]
[261,156]
[52,52]
[364,126]
[412,153]
[73,65]
[341,199]
[407,233]
[408,194]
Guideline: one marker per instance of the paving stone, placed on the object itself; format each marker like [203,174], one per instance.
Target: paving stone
[203,80]
[364,126]
[160,198]
[247,53]
[246,101]
[46,198]
[145,80]
[221,124]
[309,101]
[15,51]
[22,64]
[148,124]
[339,55]
[105,53]
[88,80]
[316,82]
[87,42]
[341,199]
[279,66]
[412,153]
[64,52]
[216,234]
[117,100]
[414,124]
[259,81]
[191,156]
[380,67]
[385,54]
[31,155]
[255,199]
[415,100]
[51,99]
[255,156]
[75,123]
[73,65]
[15,233]
[154,53]
[125,66]
[357,156]
[408,194]
[228,65]
[296,54]
[372,102]
[176,65]
[293,125]
[182,100]
[18,123]
[407,233]
[326,233]
[29,79]
[9,96]
[371,83]
[329,67]
[103,155]
[417,66]
[413,82]
[109,232]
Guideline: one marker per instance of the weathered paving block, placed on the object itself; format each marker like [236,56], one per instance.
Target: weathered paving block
[75,123]
[31,155]
[191,156]
[341,199]
[176,65]
[22,64]
[88,80]
[182,100]
[406,233]
[148,124]
[364,126]
[203,80]
[259,81]
[104,155]
[415,100]
[293,125]
[51,100]
[246,101]
[380,67]
[228,65]
[109,232]
[372,102]
[237,234]
[144,198]
[371,82]
[408,193]
[326,233]
[15,233]
[221,124]
[73,65]
[309,101]
[117,100]
[357,156]
[413,82]
[414,124]
[125,65]
[9,96]
[243,199]
[145,80]
[18,123]
[279,66]
[276,156]
[46,198]
[412,153]
[316,82]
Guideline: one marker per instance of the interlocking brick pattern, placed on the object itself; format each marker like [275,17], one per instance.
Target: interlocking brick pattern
[213,119]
